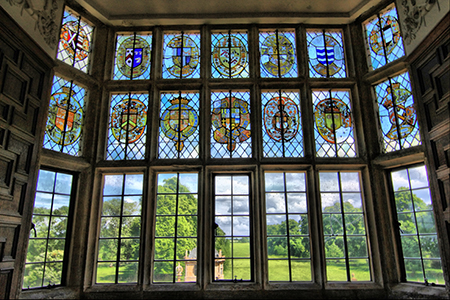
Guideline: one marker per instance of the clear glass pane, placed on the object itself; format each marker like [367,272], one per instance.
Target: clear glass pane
[279,270]
[63,183]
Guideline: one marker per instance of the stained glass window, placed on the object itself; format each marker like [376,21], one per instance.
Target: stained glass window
[133,56]
[229,54]
[344,229]
[127,126]
[398,117]
[288,241]
[383,38]
[176,224]
[333,123]
[326,53]
[63,131]
[278,53]
[181,55]
[119,241]
[179,125]
[282,128]
[75,42]
[230,130]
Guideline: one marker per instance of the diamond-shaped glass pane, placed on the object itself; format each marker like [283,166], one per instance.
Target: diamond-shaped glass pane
[127,127]
[179,125]
[282,129]
[63,131]
[397,115]
[230,130]
[333,124]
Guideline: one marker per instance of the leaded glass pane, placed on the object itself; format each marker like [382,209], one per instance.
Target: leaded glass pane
[416,225]
[127,127]
[230,130]
[175,258]
[133,56]
[282,130]
[326,53]
[63,132]
[333,124]
[398,119]
[343,221]
[288,245]
[229,54]
[181,55]
[277,53]
[47,242]
[120,229]
[383,38]
[179,125]
[75,42]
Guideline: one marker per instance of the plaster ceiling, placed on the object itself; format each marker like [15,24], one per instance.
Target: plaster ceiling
[166,12]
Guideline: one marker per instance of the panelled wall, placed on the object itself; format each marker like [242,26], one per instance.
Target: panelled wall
[431,72]
[24,91]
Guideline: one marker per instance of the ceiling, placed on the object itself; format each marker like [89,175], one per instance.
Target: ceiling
[167,12]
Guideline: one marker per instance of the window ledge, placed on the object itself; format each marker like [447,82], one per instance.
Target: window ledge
[417,291]
[60,292]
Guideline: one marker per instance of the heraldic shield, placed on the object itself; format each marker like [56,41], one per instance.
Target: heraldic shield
[281,119]
[231,120]
[179,121]
[333,120]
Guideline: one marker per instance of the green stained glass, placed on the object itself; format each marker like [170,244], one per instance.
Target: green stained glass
[277,53]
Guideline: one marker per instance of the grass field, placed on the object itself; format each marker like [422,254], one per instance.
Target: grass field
[278,270]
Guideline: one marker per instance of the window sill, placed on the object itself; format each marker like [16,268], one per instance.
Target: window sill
[417,291]
[60,292]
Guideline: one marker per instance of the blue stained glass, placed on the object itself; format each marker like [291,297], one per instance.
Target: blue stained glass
[278,53]
[398,119]
[229,55]
[326,54]
[333,124]
[230,130]
[179,125]
[133,56]
[181,55]
[383,38]
[63,131]
[282,128]
[127,127]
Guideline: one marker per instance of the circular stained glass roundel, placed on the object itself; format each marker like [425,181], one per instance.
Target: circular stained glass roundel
[128,120]
[75,48]
[133,55]
[185,56]
[328,53]
[230,56]
[391,36]
[277,57]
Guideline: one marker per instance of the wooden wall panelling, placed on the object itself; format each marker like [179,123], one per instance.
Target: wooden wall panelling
[430,65]
[24,90]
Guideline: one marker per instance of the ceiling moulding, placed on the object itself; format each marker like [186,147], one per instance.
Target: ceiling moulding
[305,15]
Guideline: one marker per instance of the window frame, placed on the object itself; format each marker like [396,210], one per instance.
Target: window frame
[69,229]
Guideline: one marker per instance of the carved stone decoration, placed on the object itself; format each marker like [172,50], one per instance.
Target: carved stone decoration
[415,12]
[44,12]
